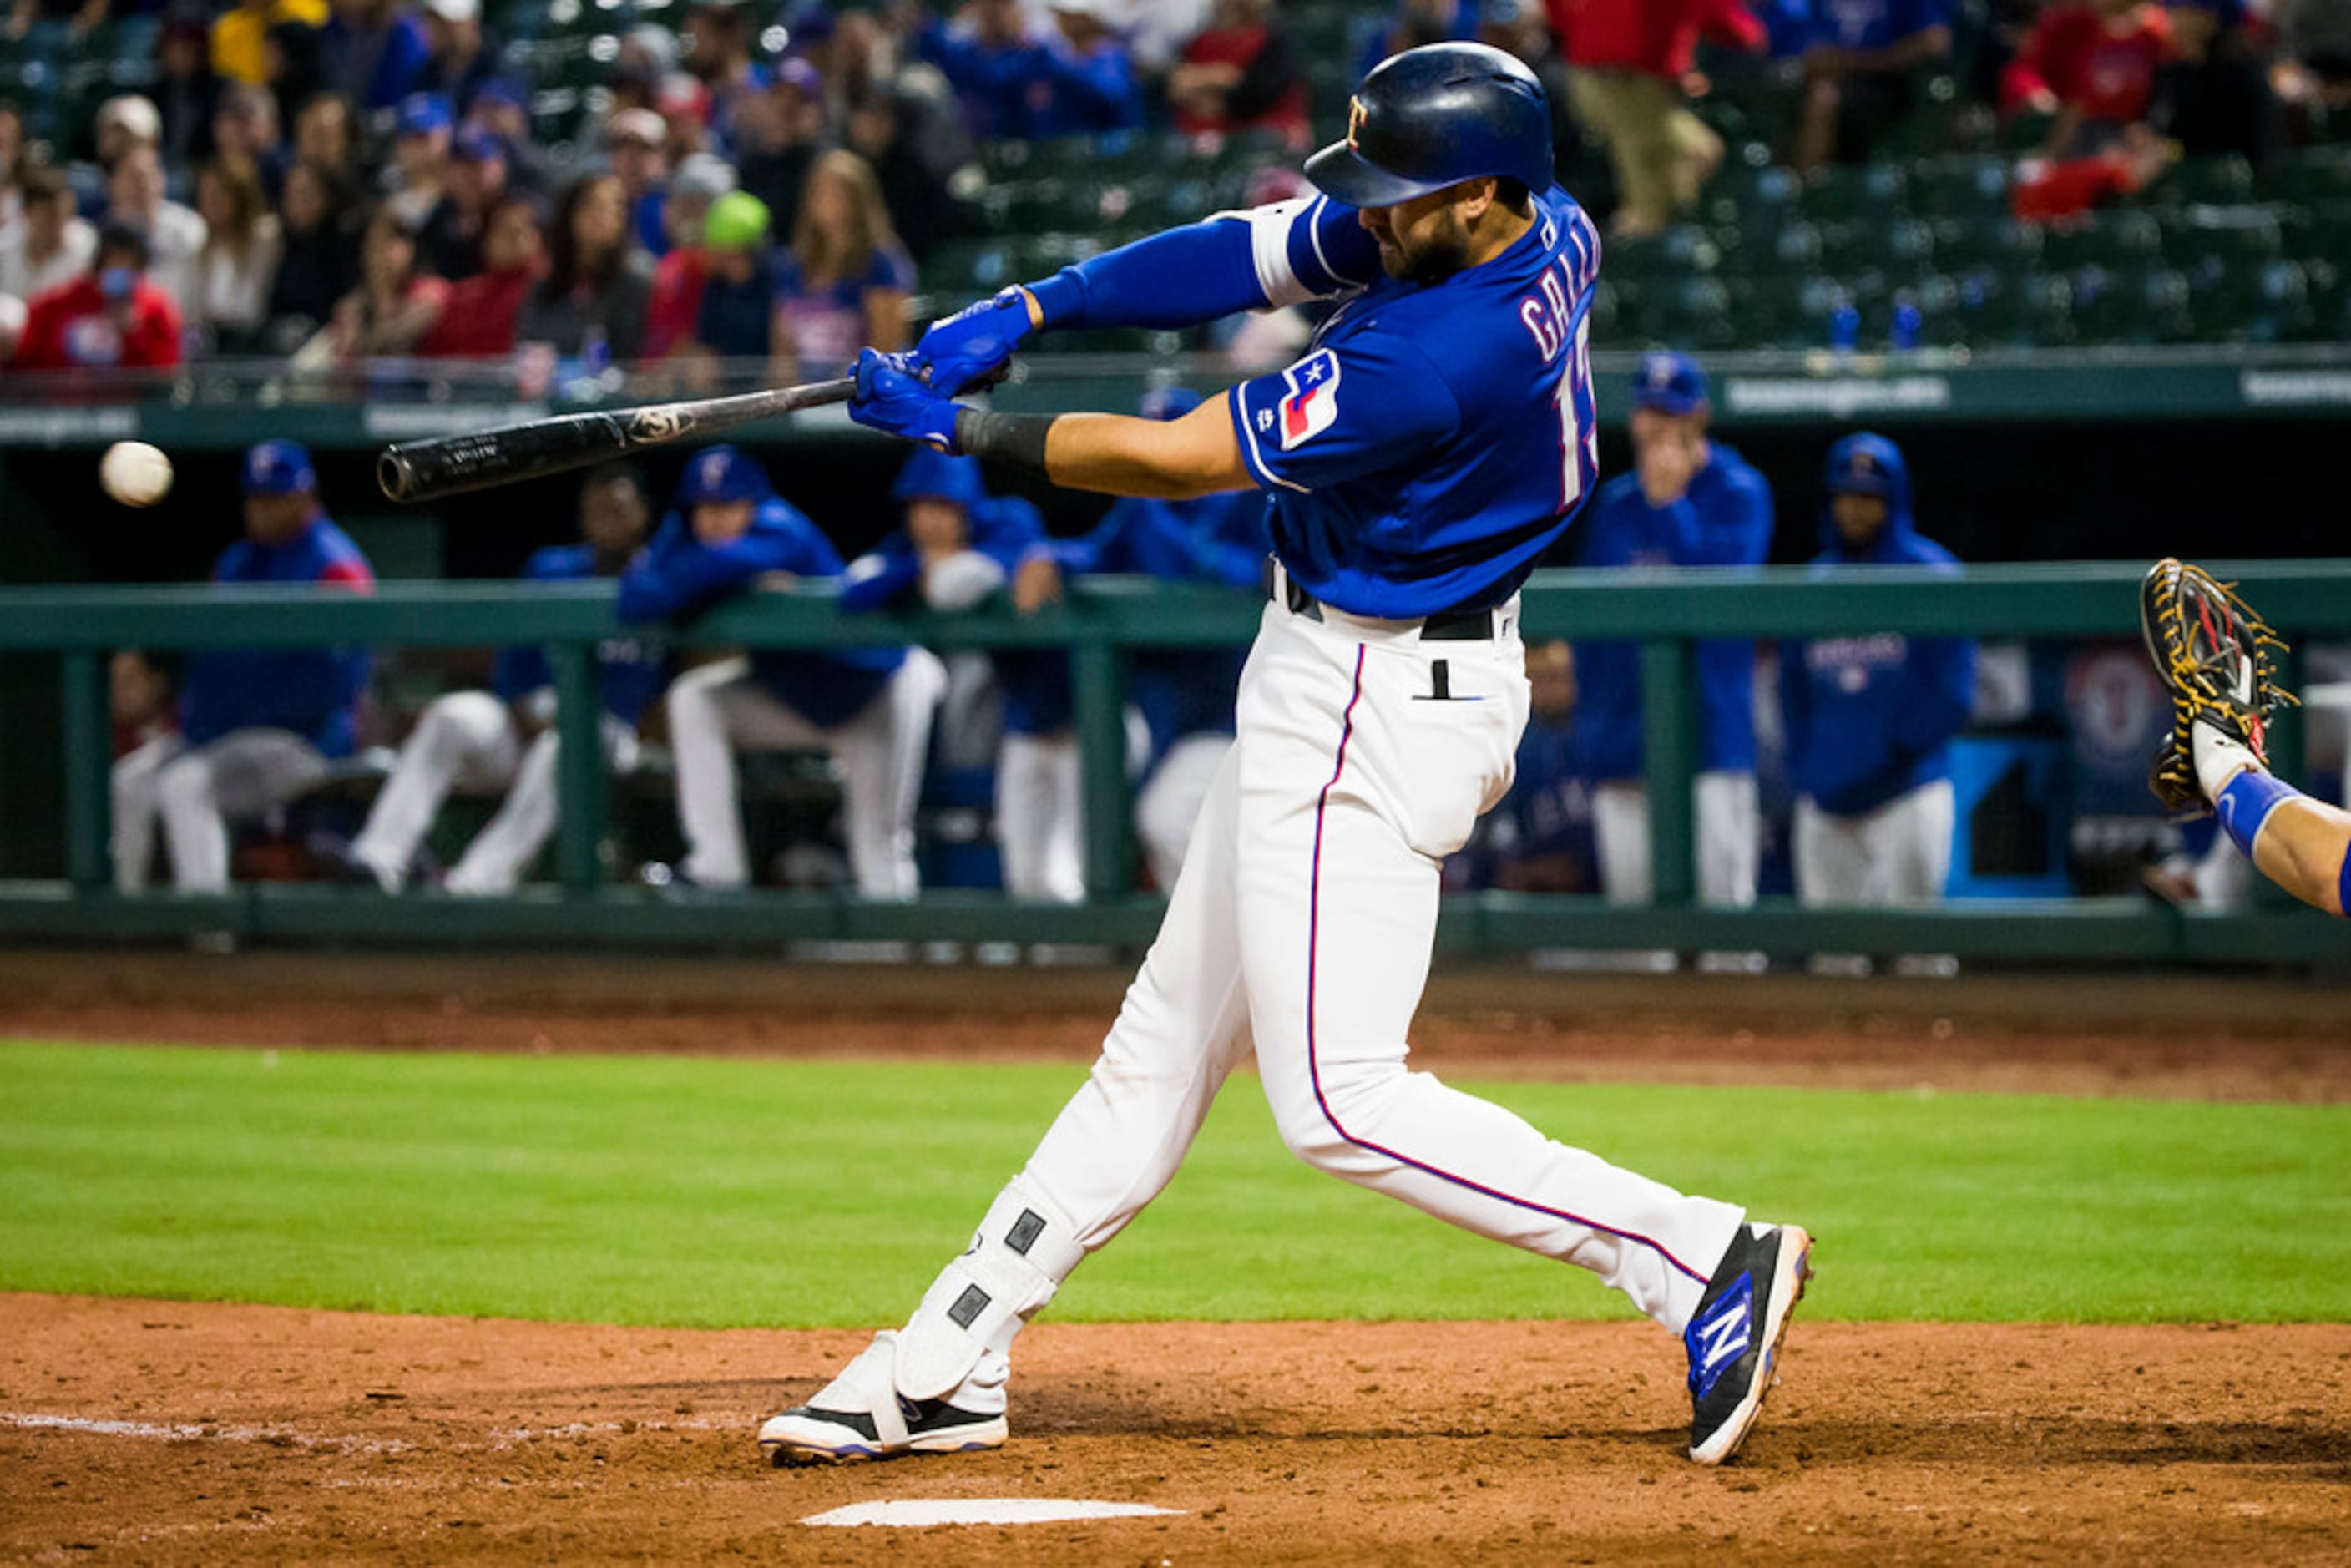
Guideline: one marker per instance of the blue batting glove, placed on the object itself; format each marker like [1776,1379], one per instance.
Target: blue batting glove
[972,344]
[891,397]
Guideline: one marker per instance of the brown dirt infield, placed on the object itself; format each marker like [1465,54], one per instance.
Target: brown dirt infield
[267,1433]
[175,1432]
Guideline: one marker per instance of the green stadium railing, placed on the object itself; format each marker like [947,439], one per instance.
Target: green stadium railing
[1105,620]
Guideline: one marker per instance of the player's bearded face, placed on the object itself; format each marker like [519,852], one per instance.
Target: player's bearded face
[1425,240]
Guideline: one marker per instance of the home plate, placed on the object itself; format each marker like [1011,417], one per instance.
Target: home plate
[983,1511]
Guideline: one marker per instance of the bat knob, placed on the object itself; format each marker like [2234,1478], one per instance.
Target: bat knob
[393,475]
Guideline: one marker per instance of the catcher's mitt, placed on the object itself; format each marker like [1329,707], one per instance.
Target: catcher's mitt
[2215,657]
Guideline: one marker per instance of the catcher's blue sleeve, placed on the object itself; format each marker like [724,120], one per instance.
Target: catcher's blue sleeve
[1309,247]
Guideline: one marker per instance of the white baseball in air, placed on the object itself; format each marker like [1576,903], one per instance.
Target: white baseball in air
[135,473]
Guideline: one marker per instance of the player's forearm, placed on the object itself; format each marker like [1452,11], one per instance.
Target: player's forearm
[2303,848]
[1112,453]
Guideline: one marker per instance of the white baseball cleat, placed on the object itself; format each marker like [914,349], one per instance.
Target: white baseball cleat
[860,1415]
[1734,1338]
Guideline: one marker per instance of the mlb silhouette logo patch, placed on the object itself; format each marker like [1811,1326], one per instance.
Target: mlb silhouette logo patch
[1312,403]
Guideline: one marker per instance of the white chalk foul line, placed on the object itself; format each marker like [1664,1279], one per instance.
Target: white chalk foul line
[183,1432]
[904,1512]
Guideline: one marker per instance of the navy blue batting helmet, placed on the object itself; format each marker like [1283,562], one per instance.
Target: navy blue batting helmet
[1433,117]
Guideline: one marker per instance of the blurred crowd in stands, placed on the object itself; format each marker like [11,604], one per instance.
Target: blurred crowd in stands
[739,185]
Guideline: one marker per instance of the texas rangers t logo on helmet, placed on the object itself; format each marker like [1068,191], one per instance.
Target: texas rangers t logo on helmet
[1355,118]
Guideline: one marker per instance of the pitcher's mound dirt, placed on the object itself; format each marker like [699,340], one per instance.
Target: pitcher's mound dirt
[159,1431]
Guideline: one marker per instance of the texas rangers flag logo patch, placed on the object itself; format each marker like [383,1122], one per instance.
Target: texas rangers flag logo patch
[1314,399]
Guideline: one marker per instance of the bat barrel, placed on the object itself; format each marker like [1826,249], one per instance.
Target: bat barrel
[453,464]
[395,475]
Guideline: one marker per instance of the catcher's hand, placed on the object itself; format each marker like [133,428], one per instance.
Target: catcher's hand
[2214,656]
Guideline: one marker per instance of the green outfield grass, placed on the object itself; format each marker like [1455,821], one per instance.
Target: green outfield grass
[696,1192]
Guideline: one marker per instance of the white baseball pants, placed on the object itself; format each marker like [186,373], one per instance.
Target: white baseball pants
[1040,817]
[194,793]
[718,708]
[469,741]
[1728,818]
[1899,853]
[1168,805]
[1307,908]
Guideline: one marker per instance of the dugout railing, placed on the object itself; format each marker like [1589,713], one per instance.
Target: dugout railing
[1104,619]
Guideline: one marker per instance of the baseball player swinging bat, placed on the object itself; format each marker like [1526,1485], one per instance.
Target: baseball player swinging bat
[453,464]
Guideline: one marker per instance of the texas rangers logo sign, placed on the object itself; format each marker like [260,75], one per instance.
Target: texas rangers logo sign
[1312,402]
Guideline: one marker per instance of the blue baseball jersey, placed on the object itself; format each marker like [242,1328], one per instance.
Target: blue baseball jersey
[1548,812]
[1871,718]
[1437,437]
[314,692]
[1871,25]
[1004,528]
[631,667]
[1214,538]
[1724,520]
[677,575]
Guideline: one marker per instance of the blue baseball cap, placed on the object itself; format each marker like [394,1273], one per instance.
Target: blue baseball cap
[1670,383]
[935,475]
[279,468]
[479,147]
[722,473]
[1857,467]
[422,113]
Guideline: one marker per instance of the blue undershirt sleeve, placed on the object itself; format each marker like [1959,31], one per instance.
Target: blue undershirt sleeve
[1286,254]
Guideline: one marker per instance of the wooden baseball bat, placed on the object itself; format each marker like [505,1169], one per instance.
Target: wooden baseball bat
[414,471]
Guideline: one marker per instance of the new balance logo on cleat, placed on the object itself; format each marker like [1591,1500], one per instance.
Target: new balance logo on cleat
[1735,1336]
[1721,1337]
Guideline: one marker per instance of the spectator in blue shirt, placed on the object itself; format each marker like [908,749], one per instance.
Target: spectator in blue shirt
[257,726]
[505,739]
[843,284]
[736,320]
[1858,72]
[1690,501]
[1016,86]
[372,52]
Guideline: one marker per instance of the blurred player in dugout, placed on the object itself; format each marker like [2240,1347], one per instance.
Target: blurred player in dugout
[1690,501]
[504,738]
[1182,700]
[256,727]
[956,546]
[869,707]
[1870,718]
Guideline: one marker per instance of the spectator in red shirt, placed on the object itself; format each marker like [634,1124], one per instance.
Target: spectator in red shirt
[478,322]
[1241,73]
[676,299]
[2094,67]
[1626,60]
[111,317]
